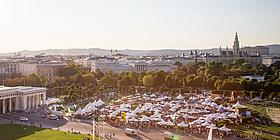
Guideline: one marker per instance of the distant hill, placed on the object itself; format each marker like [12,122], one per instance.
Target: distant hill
[273,50]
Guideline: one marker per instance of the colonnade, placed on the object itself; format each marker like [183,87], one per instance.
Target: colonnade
[23,102]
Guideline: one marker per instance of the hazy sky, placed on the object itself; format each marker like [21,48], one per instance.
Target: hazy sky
[136,24]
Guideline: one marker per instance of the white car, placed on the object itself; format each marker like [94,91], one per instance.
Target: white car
[131,132]
[53,117]
[23,119]
[169,136]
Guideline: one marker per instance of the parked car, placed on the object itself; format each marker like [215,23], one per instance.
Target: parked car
[23,119]
[131,132]
[169,136]
[53,117]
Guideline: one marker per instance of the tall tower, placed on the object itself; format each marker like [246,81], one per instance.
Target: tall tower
[236,46]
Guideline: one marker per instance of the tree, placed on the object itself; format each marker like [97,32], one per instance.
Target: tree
[68,71]
[171,81]
[160,78]
[148,80]
[89,79]
[214,68]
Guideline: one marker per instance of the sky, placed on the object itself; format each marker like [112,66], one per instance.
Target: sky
[136,24]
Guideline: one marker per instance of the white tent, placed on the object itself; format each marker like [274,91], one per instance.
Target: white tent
[144,119]
[137,110]
[205,124]
[185,110]
[169,123]
[78,112]
[133,119]
[99,103]
[153,95]
[131,115]
[182,124]
[156,115]
[238,105]
[162,122]
[189,117]
[193,111]
[213,126]
[180,97]
[224,128]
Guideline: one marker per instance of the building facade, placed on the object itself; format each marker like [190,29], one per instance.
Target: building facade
[26,69]
[8,67]
[49,69]
[21,98]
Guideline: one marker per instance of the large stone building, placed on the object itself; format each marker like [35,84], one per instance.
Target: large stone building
[26,68]
[21,98]
[228,56]
[8,67]
[49,69]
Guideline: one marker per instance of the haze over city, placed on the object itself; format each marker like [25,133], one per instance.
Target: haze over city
[145,24]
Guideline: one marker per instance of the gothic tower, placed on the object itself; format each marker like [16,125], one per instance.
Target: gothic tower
[236,46]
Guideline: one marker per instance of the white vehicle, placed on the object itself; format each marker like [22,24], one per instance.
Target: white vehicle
[23,119]
[169,136]
[53,117]
[131,132]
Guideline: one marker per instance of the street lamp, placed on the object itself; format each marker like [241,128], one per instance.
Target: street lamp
[93,129]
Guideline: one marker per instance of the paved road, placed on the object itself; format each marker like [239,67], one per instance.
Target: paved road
[85,127]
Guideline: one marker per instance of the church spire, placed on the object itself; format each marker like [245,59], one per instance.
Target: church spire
[236,36]
[236,46]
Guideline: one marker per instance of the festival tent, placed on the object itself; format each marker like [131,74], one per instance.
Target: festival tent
[99,103]
[169,123]
[224,128]
[131,115]
[156,115]
[205,124]
[174,108]
[78,112]
[123,110]
[193,111]
[182,124]
[205,111]
[229,108]
[162,122]
[197,122]
[189,117]
[180,97]
[238,105]
[137,110]
[213,126]
[214,105]
[144,119]
[133,119]
[185,110]
[153,95]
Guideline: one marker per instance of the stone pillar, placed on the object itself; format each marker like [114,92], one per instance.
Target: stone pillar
[17,103]
[44,98]
[33,101]
[3,107]
[10,104]
[24,102]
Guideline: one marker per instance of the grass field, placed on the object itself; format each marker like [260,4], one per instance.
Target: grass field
[273,127]
[18,132]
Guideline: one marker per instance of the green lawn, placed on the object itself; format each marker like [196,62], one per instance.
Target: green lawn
[18,132]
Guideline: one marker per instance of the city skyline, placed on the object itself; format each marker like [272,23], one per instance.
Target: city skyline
[38,25]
